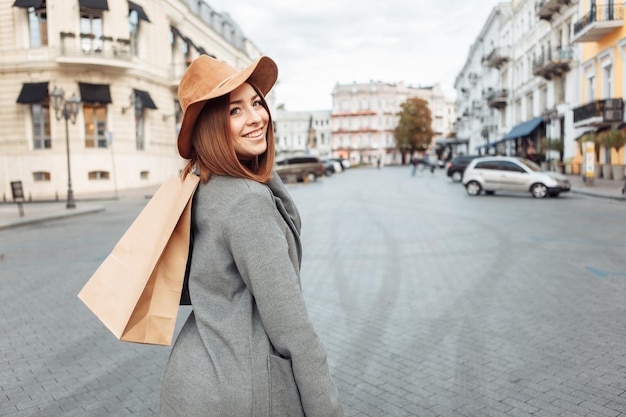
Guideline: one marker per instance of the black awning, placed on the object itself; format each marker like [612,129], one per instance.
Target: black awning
[33,93]
[95,93]
[27,3]
[190,42]
[94,4]
[177,32]
[141,14]
[145,99]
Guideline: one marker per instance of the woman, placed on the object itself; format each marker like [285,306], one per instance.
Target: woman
[248,348]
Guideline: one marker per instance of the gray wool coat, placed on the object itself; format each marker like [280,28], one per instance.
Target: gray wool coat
[248,347]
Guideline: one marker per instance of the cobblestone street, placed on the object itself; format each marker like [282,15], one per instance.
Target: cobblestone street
[431,303]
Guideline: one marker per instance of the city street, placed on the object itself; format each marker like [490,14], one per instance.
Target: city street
[430,302]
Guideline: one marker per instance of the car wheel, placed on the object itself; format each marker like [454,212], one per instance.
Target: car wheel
[539,190]
[457,176]
[491,192]
[311,177]
[473,188]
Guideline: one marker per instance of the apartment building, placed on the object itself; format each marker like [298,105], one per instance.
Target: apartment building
[481,84]
[365,115]
[526,78]
[88,89]
[601,35]
[303,132]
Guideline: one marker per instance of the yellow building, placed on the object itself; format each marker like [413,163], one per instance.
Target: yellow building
[120,61]
[602,36]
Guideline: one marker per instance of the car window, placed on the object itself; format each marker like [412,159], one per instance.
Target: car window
[530,164]
[510,166]
[487,165]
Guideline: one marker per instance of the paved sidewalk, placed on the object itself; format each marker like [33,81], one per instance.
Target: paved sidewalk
[600,187]
[35,212]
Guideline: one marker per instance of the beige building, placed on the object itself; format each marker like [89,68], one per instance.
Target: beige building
[122,60]
[364,117]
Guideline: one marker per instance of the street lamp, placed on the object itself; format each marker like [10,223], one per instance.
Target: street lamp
[66,109]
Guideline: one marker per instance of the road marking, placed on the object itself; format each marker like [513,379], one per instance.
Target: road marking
[604,274]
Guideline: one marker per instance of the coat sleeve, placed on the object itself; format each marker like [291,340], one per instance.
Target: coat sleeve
[257,240]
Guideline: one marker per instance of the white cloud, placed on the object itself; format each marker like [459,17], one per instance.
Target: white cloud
[319,43]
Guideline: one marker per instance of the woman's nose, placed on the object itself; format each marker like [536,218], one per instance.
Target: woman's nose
[254,117]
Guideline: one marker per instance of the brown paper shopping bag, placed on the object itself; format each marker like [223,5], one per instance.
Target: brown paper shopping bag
[136,290]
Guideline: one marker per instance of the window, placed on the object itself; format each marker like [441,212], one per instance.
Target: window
[487,165]
[38,25]
[90,30]
[510,166]
[139,125]
[607,82]
[591,88]
[41,176]
[95,125]
[144,175]
[133,30]
[98,175]
[41,125]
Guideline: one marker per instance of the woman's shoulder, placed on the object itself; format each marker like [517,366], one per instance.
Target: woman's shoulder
[233,188]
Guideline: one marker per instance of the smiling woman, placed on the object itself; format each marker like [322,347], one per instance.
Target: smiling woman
[248,347]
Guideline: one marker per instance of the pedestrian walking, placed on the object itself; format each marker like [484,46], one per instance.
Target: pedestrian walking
[248,347]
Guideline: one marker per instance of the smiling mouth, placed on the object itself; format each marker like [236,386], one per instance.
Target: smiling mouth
[257,134]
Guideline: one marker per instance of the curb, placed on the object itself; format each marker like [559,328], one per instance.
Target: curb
[50,216]
[598,194]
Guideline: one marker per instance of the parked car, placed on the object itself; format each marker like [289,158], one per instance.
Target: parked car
[345,164]
[504,173]
[301,168]
[331,166]
[457,166]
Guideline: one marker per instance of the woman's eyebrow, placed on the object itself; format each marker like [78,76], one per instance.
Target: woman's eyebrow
[256,96]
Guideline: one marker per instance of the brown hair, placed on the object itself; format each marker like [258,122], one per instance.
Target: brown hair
[213,151]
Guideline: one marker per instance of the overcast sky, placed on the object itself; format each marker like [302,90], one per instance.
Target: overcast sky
[319,43]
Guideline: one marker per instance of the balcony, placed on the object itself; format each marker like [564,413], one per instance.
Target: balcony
[89,50]
[553,63]
[599,22]
[600,112]
[497,99]
[546,9]
[496,58]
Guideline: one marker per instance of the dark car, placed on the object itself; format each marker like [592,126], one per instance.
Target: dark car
[456,167]
[304,168]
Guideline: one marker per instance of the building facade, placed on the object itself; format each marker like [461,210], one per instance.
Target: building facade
[122,61]
[553,70]
[365,115]
[601,36]
[303,132]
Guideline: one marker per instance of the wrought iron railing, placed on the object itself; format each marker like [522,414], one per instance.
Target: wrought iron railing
[88,45]
[611,109]
[599,13]
[553,55]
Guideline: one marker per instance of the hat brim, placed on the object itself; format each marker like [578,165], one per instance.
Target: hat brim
[263,73]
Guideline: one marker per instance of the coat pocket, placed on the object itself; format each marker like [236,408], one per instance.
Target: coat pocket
[284,394]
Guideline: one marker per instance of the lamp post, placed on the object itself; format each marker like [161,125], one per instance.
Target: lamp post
[66,109]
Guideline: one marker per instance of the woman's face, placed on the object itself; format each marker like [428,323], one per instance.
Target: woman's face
[248,122]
